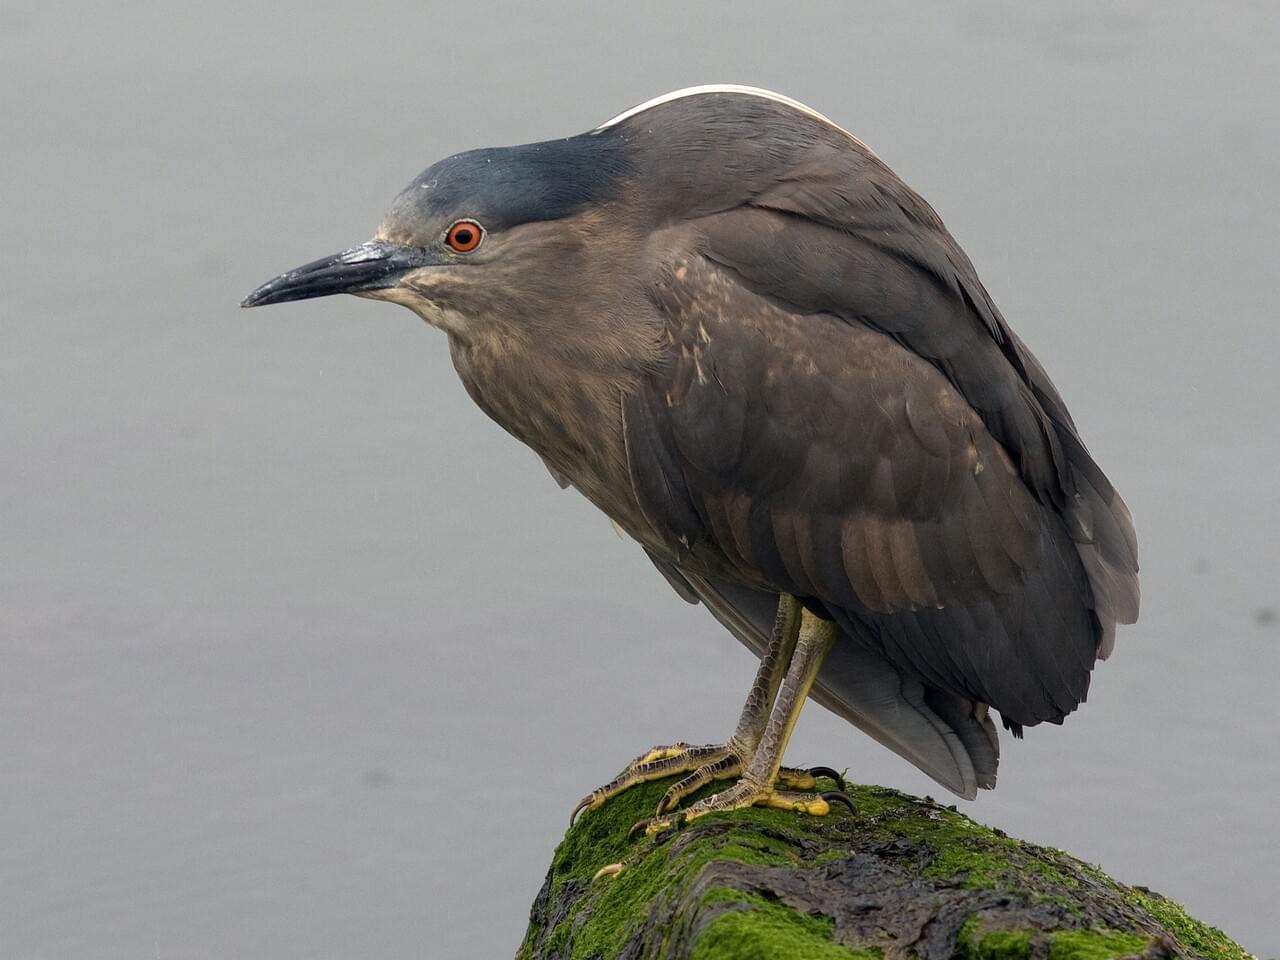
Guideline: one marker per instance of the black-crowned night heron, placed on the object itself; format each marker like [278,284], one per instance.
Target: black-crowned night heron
[731,327]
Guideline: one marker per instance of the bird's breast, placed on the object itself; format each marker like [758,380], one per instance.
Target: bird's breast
[570,417]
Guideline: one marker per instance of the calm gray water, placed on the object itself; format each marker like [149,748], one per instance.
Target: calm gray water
[284,618]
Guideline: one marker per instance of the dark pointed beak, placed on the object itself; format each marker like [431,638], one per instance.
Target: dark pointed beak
[375,265]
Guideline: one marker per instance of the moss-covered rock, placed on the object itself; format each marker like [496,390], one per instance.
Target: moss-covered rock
[899,877]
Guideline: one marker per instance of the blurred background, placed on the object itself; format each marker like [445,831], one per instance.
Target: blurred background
[302,657]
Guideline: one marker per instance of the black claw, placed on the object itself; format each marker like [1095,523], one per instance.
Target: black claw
[582,805]
[668,804]
[678,822]
[640,826]
[830,774]
[838,796]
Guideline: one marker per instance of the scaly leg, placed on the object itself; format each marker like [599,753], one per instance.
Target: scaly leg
[816,636]
[713,761]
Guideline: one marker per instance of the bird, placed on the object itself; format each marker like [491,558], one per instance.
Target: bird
[721,318]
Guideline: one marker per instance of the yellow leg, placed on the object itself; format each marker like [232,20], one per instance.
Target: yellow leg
[816,636]
[714,761]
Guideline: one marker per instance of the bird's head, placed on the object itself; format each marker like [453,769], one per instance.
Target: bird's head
[536,234]
[485,236]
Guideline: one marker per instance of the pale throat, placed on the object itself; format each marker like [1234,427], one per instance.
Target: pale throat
[442,318]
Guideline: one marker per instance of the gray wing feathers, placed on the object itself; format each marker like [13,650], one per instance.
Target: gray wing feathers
[807,455]
[857,242]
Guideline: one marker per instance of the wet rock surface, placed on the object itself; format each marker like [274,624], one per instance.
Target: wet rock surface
[898,877]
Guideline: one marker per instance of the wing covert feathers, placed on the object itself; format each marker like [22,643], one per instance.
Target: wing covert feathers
[842,413]
[819,456]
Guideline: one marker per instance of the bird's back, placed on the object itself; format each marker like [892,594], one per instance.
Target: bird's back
[843,414]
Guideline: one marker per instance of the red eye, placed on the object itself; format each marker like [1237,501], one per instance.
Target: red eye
[464,236]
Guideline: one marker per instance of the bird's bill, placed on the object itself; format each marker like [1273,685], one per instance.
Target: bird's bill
[375,265]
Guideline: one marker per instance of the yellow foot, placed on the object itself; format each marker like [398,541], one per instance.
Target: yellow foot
[655,764]
[703,762]
[747,793]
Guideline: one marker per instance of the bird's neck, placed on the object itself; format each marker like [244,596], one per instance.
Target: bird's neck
[570,415]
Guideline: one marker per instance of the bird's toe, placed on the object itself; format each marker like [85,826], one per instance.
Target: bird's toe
[659,762]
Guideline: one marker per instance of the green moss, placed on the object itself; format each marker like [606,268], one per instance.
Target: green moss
[971,944]
[1068,945]
[618,904]
[979,865]
[1067,903]
[1199,937]
[968,937]
[974,854]
[1004,945]
[761,930]
[600,836]
[1095,944]
[967,851]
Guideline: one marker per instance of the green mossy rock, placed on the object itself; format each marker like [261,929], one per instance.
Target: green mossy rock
[899,877]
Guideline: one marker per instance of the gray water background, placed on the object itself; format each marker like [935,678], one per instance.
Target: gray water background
[302,657]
